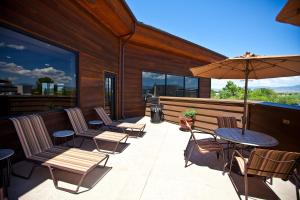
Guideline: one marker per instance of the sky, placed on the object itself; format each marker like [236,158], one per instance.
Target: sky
[24,59]
[229,27]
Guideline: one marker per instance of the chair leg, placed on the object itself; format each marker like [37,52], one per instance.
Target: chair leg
[96,143]
[246,185]
[189,155]
[55,181]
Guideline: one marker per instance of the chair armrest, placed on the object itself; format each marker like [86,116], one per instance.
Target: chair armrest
[198,131]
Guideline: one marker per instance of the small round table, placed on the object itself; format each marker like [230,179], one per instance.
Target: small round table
[97,123]
[64,134]
[5,154]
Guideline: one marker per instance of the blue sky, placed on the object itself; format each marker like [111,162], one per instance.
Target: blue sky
[23,60]
[229,27]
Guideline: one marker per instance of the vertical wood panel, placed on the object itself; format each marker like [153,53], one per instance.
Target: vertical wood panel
[140,59]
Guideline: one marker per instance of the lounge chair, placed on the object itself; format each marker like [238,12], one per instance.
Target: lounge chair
[267,163]
[123,125]
[81,129]
[203,145]
[39,149]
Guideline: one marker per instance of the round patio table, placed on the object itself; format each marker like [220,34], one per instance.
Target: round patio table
[249,138]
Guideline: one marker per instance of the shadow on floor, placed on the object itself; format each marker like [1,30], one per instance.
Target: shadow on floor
[105,146]
[41,175]
[257,188]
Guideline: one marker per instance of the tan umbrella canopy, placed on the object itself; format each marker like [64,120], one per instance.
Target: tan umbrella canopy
[290,13]
[250,66]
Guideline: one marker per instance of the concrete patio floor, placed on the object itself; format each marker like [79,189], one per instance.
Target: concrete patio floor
[151,167]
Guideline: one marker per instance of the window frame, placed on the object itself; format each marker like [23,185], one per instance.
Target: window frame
[165,74]
[36,36]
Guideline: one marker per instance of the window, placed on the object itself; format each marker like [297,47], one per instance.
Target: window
[191,87]
[34,75]
[153,82]
[169,85]
[175,86]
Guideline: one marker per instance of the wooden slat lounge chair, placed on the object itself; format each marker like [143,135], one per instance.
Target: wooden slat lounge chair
[267,163]
[81,129]
[203,146]
[38,148]
[123,125]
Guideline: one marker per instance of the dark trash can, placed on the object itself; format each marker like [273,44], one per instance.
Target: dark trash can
[156,113]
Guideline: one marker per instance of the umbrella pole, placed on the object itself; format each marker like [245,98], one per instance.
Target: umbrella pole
[245,97]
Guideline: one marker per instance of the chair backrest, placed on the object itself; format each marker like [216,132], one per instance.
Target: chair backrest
[32,134]
[103,115]
[77,120]
[227,122]
[272,163]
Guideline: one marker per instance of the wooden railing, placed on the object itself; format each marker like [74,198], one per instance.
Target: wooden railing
[281,122]
[207,110]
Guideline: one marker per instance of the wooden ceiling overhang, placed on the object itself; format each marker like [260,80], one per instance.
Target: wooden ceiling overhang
[118,18]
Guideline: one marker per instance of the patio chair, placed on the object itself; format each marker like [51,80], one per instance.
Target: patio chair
[39,149]
[114,124]
[81,129]
[267,163]
[227,122]
[203,145]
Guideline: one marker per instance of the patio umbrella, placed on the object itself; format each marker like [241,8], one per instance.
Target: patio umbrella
[290,13]
[250,66]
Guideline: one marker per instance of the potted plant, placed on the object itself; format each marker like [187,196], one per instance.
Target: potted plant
[188,115]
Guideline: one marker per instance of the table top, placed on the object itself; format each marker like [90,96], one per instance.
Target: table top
[95,122]
[63,133]
[6,153]
[251,138]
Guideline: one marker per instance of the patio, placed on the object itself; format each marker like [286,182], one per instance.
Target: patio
[152,167]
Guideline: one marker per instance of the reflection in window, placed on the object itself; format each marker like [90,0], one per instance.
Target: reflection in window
[169,85]
[191,87]
[34,75]
[175,86]
[153,84]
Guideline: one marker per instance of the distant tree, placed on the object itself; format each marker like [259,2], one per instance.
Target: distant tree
[231,91]
[214,94]
[263,94]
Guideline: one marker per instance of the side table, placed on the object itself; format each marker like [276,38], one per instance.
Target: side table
[64,134]
[5,154]
[97,123]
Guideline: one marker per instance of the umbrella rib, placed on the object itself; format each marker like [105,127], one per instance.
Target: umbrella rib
[251,65]
[273,65]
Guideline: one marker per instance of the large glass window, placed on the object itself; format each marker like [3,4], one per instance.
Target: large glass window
[191,87]
[169,85]
[153,83]
[175,86]
[34,75]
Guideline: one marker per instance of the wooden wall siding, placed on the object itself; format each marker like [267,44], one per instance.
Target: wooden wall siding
[207,110]
[140,59]
[68,24]
[269,119]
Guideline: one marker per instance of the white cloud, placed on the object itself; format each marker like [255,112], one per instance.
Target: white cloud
[153,75]
[58,76]
[16,46]
[270,82]
[2,44]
